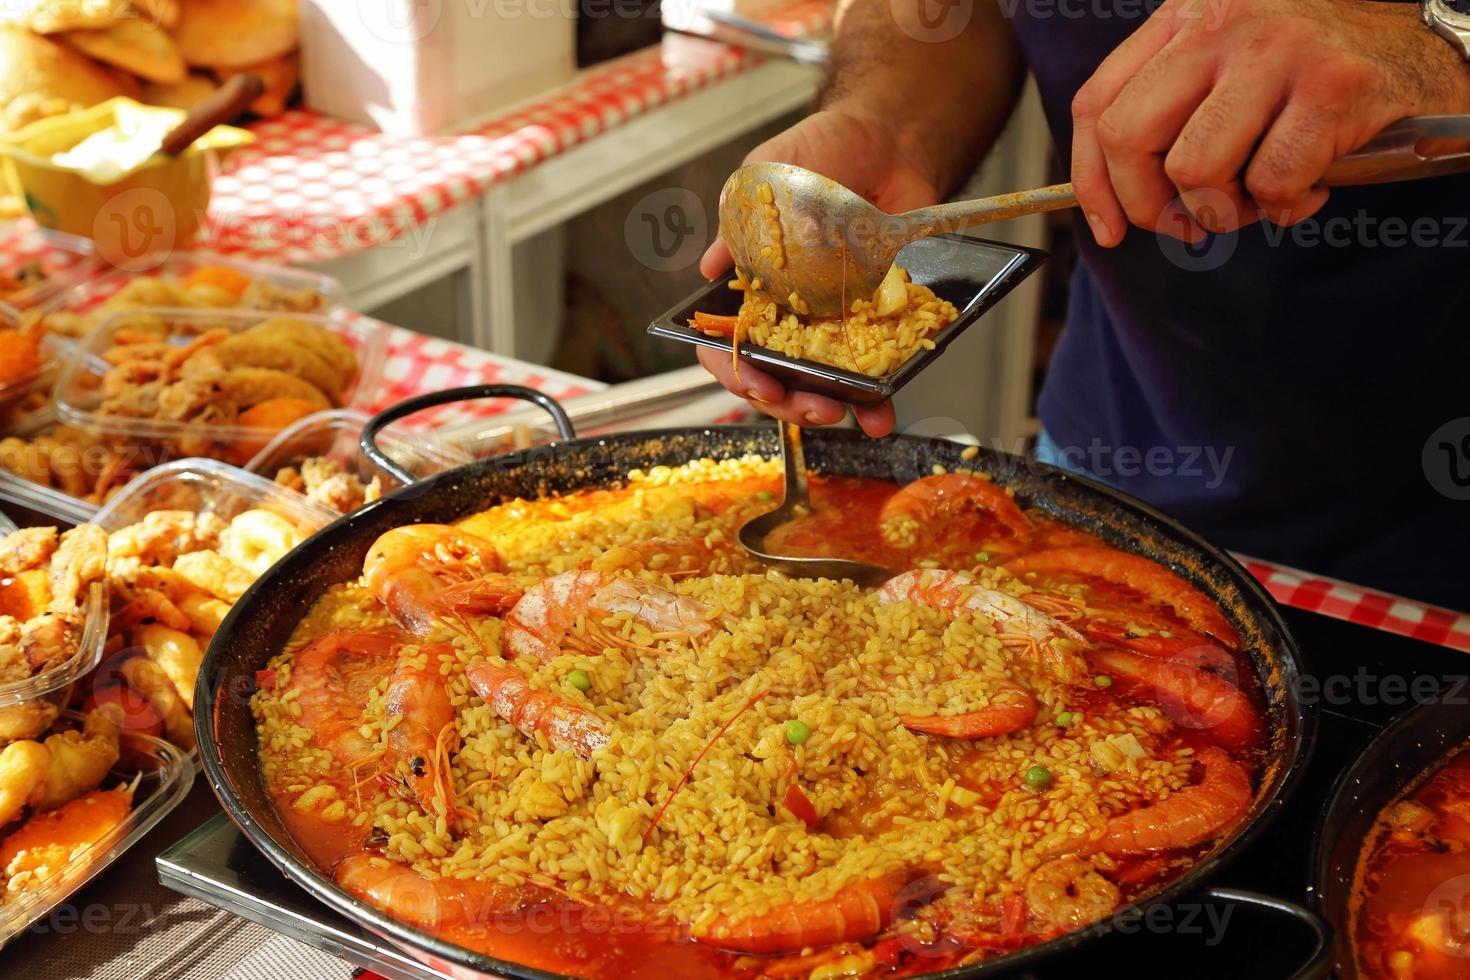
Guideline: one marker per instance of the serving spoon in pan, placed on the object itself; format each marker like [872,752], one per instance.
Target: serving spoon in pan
[797,503]
[804,234]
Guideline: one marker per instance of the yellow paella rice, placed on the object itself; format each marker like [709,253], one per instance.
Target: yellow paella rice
[677,808]
[873,339]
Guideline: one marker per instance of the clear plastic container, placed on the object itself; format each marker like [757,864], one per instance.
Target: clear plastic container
[208,486]
[51,501]
[334,435]
[7,526]
[89,296]
[55,683]
[78,390]
[164,776]
[63,262]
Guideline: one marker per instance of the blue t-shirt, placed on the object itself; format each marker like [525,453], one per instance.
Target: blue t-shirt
[1274,388]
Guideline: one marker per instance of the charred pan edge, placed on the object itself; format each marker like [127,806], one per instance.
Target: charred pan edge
[262,621]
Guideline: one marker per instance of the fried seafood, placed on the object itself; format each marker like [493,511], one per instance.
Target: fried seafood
[45,775]
[77,463]
[174,577]
[324,480]
[44,583]
[264,377]
[208,287]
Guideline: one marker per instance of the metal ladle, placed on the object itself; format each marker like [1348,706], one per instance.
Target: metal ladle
[828,245]
[797,503]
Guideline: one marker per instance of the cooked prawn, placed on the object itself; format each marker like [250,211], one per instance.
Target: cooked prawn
[176,653]
[80,560]
[1068,893]
[212,572]
[44,775]
[22,721]
[961,594]
[333,676]
[675,557]
[423,902]
[423,573]
[1190,697]
[997,718]
[939,500]
[1137,573]
[153,685]
[539,623]
[1187,817]
[566,725]
[417,747]
[855,913]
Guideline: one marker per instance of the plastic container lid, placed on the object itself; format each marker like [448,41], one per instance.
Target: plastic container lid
[78,395]
[208,486]
[103,286]
[38,497]
[334,435]
[166,775]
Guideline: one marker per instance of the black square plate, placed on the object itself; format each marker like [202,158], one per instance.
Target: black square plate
[972,273]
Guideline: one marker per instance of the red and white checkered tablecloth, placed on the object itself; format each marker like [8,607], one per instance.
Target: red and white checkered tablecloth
[418,364]
[1365,607]
[313,187]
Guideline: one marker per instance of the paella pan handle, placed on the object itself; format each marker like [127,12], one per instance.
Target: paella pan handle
[385,418]
[1320,961]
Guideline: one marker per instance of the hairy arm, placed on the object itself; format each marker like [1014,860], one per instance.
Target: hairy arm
[938,77]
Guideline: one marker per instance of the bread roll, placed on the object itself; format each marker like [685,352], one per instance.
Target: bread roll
[136,46]
[225,34]
[40,78]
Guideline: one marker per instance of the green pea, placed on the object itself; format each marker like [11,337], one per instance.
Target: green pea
[1103,680]
[580,680]
[982,556]
[797,731]
[1038,777]
[1064,718]
[1098,772]
[765,496]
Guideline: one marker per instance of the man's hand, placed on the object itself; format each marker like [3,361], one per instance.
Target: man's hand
[1217,113]
[862,155]
[905,115]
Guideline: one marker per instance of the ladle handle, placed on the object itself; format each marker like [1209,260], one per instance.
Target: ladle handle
[224,106]
[983,210]
[793,461]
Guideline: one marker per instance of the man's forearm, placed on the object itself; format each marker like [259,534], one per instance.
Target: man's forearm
[943,87]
